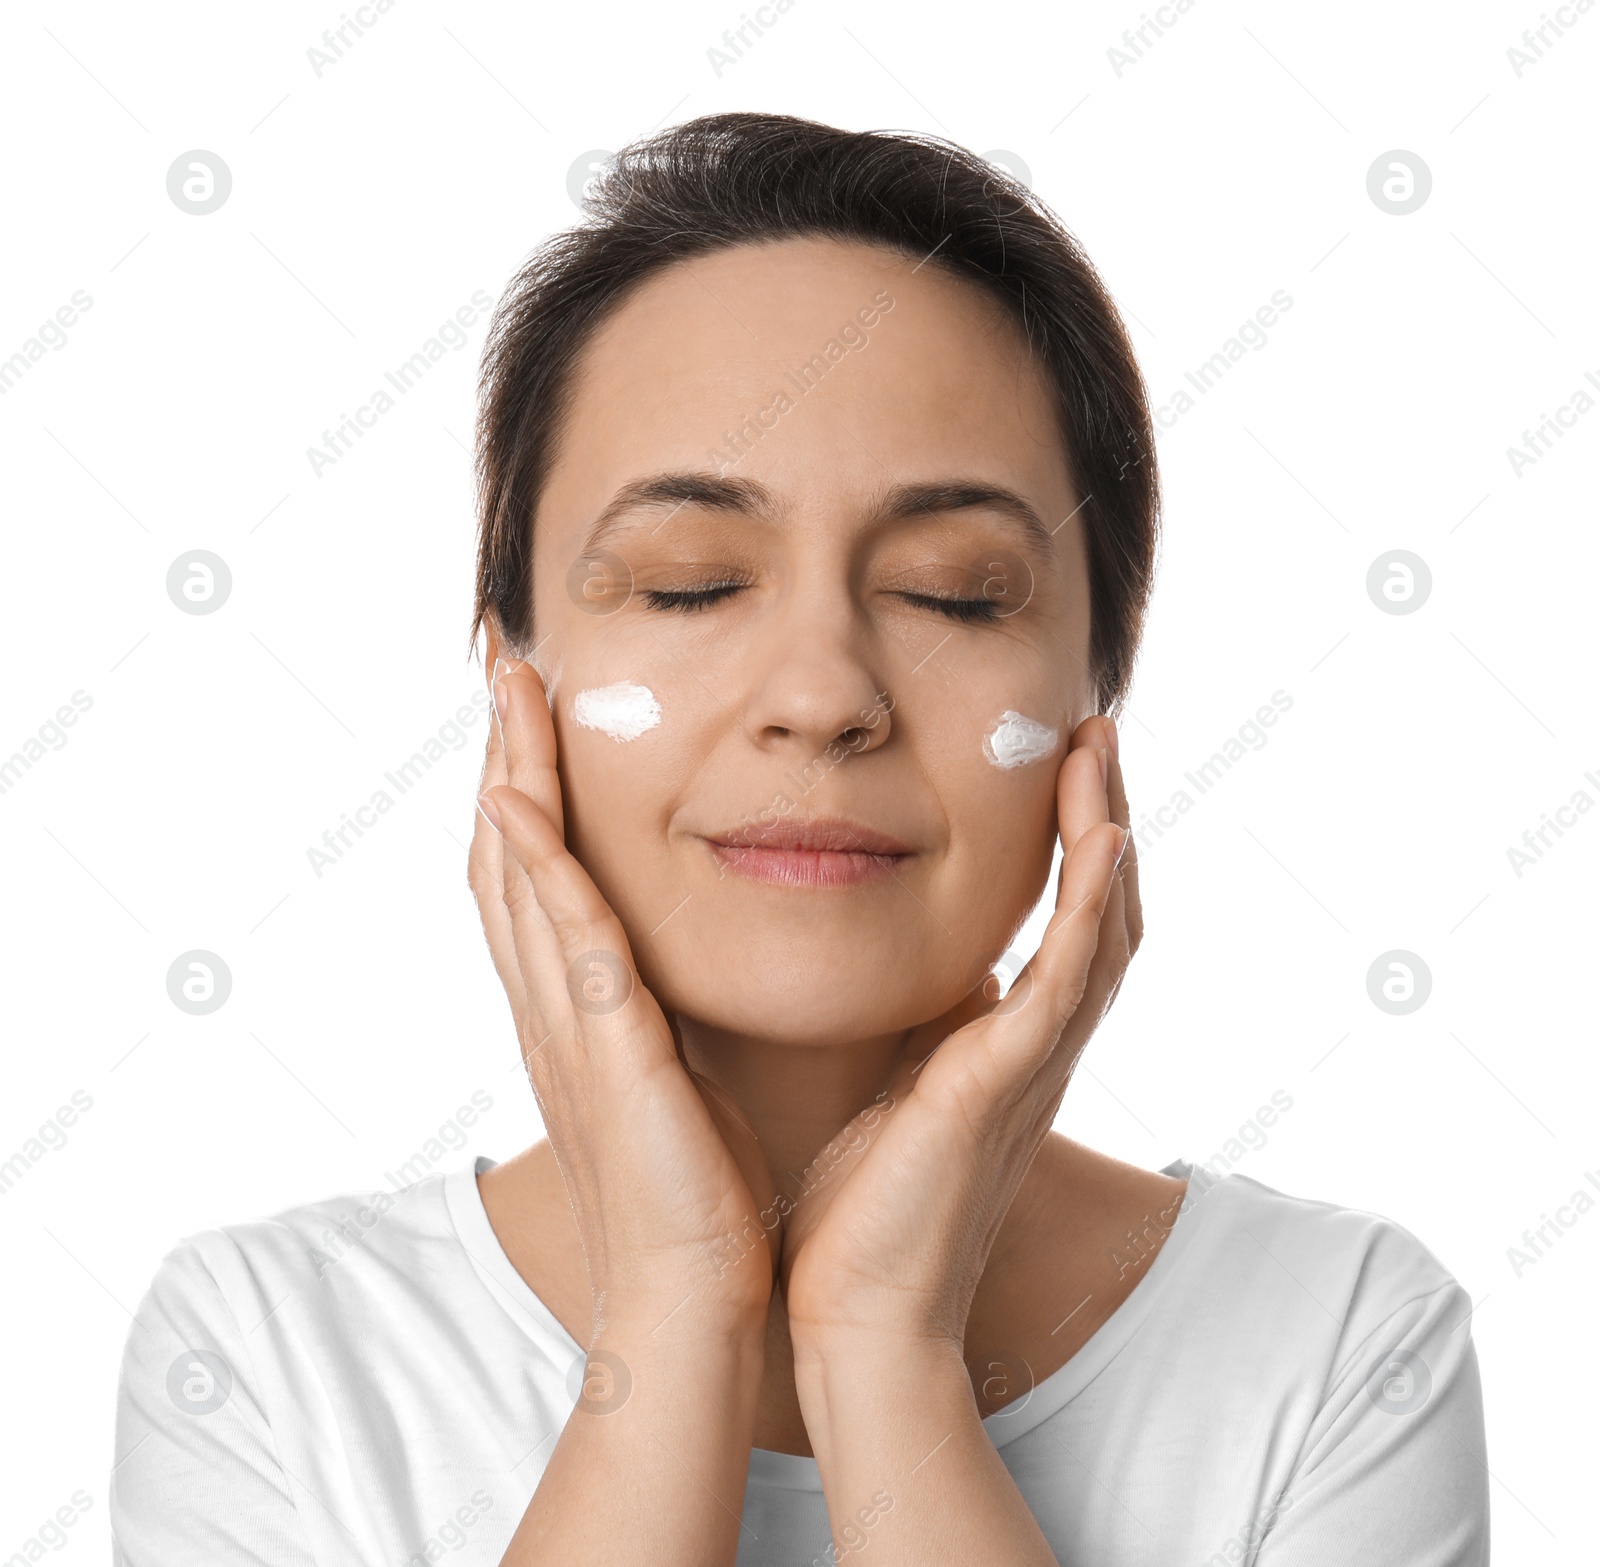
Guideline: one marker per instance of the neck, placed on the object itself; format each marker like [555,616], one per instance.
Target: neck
[795,1098]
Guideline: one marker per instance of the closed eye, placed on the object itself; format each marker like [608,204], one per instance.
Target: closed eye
[688,600]
[957,608]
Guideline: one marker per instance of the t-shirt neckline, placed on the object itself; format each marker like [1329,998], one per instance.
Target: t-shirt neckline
[477,1236]
[795,1471]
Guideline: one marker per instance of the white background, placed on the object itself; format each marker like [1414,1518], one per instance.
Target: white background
[370,202]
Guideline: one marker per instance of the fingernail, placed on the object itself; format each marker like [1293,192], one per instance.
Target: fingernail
[1127,833]
[490,814]
[500,668]
[1105,766]
[1111,736]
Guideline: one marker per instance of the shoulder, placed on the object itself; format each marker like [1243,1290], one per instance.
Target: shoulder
[232,1311]
[237,1319]
[1361,1262]
[1359,1338]
[1345,1305]
[278,1358]
[243,1273]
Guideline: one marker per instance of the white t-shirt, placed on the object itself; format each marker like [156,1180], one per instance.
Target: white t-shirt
[369,1380]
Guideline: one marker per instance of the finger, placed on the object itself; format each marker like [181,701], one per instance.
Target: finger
[1122,919]
[994,1070]
[1106,970]
[511,914]
[1120,922]
[1003,1064]
[743,1142]
[528,733]
[526,754]
[1082,801]
[1080,961]
[573,951]
[515,891]
[486,877]
[1128,866]
[1055,982]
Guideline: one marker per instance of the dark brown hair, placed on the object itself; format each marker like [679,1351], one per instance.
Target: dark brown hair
[731,179]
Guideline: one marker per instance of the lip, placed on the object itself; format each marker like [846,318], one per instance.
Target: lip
[825,852]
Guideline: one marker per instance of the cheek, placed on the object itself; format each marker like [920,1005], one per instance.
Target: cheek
[1003,804]
[623,710]
[634,734]
[1004,732]
[1015,740]
[1001,757]
[613,696]
[999,867]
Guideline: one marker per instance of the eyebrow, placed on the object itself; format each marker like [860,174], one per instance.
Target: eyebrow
[748,498]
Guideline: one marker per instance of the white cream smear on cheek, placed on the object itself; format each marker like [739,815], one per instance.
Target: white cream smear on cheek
[1015,741]
[624,711]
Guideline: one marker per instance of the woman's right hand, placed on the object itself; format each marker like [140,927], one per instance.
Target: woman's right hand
[666,1181]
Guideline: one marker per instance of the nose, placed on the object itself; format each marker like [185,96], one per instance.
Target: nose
[812,680]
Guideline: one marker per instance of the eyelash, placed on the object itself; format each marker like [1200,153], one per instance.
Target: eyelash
[688,601]
[970,610]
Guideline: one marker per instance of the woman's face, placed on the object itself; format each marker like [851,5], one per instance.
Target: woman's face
[794,451]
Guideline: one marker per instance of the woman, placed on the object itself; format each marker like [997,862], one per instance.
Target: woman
[818,507]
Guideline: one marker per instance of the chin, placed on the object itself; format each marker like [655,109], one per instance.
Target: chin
[841,987]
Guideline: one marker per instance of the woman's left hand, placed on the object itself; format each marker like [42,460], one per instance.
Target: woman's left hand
[895,1219]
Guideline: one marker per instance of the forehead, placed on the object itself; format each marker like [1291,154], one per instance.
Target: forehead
[824,369]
